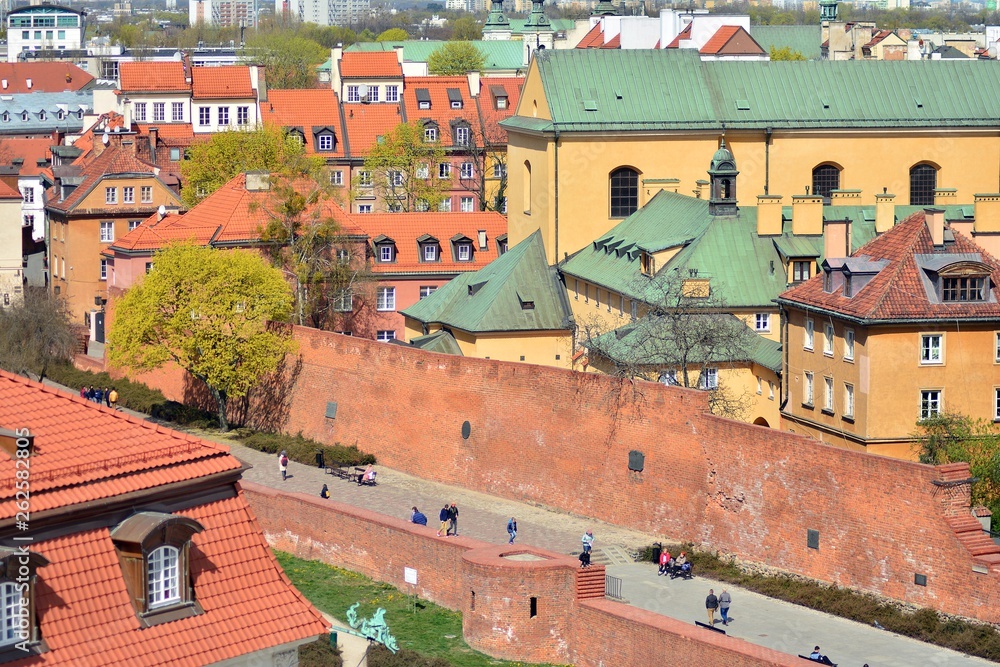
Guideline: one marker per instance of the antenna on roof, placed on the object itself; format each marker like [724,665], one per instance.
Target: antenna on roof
[105,139]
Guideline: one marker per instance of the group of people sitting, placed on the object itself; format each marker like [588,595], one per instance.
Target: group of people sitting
[674,567]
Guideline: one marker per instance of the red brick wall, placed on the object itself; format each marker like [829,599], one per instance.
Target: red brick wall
[562,439]
[586,633]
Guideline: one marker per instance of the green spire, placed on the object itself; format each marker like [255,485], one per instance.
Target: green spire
[496,20]
[828,10]
[604,8]
[537,20]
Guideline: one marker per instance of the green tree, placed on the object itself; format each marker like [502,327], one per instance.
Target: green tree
[208,311]
[392,35]
[466,29]
[34,334]
[290,60]
[402,170]
[786,53]
[951,438]
[366,36]
[456,58]
[213,163]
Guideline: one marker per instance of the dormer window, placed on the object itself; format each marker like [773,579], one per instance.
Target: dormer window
[423,98]
[41,115]
[455,98]
[848,286]
[959,289]
[462,134]
[499,97]
[828,281]
[430,252]
[647,265]
[6,117]
[61,115]
[464,252]
[24,116]
[385,248]
[430,133]
[385,253]
[153,550]
[297,135]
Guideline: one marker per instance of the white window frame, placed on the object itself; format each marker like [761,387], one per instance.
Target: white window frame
[373,93]
[386,336]
[430,135]
[337,177]
[104,269]
[365,178]
[427,290]
[364,208]
[462,135]
[762,323]
[139,110]
[159,112]
[128,194]
[849,400]
[392,93]
[932,349]
[430,252]
[343,301]
[444,205]
[223,115]
[163,581]
[324,142]
[107,231]
[996,404]
[385,253]
[132,224]
[444,170]
[931,403]
[423,171]
[146,194]
[463,251]
[760,386]
[808,394]
[396,178]
[499,170]
[352,94]
[809,334]
[243,115]
[708,378]
[828,395]
[204,116]
[466,205]
[849,342]
[177,112]
[829,333]
[28,195]
[467,170]
[11,613]
[386,299]
[110,195]
[996,347]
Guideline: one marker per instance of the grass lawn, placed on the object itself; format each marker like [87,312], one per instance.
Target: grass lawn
[432,630]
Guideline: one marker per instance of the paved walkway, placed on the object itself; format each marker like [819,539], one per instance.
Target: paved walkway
[756,618]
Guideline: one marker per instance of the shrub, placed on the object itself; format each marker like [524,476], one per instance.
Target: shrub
[302,449]
[320,654]
[132,395]
[379,656]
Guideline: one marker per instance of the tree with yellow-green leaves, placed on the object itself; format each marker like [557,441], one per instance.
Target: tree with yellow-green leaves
[208,311]
[402,170]
[213,163]
[785,53]
[456,58]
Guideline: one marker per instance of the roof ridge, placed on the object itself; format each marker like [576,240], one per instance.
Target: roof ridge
[896,264]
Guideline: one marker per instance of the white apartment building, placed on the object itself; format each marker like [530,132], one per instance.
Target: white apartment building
[43,28]
[324,12]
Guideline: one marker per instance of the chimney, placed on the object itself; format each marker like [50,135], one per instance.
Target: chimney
[807,215]
[154,135]
[474,84]
[336,55]
[945,196]
[482,239]
[934,217]
[836,238]
[258,181]
[845,197]
[885,212]
[769,222]
[3,82]
[399,54]
[27,82]
[987,213]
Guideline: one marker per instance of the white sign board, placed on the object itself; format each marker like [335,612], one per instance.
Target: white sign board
[410,575]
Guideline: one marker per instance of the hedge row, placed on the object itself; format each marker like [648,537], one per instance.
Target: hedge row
[132,395]
[926,624]
[303,449]
[320,654]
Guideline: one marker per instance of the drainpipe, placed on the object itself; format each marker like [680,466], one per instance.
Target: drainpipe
[782,385]
[767,159]
[556,191]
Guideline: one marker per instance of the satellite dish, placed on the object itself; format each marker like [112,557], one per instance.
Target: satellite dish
[363,90]
[161,212]
[105,139]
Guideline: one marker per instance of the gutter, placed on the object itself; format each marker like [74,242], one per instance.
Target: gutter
[556,256]
[861,321]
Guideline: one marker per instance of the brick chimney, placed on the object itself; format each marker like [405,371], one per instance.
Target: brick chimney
[934,217]
[769,215]
[885,212]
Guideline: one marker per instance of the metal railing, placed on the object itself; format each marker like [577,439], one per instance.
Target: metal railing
[612,587]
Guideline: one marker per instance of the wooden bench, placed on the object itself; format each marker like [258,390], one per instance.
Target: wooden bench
[358,472]
[343,472]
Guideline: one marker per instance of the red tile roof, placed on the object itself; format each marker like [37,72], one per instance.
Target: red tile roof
[366,122]
[878,37]
[112,161]
[594,39]
[614,43]
[84,452]
[159,77]
[230,81]
[230,215]
[898,291]
[29,150]
[491,116]
[440,111]
[405,228]
[7,192]
[307,108]
[723,36]
[46,77]
[683,34]
[370,65]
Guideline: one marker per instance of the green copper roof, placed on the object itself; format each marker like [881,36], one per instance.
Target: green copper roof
[500,54]
[805,39]
[439,341]
[672,89]
[516,292]
[745,270]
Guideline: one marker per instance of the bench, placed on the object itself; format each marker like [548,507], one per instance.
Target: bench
[358,472]
[343,472]
[824,661]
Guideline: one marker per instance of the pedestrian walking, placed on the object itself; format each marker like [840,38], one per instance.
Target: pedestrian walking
[711,604]
[588,541]
[113,399]
[107,397]
[444,516]
[98,396]
[283,464]
[418,517]
[453,519]
[724,601]
[512,529]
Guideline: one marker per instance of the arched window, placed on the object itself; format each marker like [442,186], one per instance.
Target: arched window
[826,178]
[162,578]
[10,613]
[923,182]
[526,187]
[624,192]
